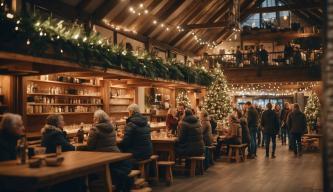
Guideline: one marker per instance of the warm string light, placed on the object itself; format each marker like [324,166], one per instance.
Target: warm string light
[272,89]
[140,10]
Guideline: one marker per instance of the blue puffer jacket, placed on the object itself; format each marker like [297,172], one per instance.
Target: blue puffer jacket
[137,137]
[53,136]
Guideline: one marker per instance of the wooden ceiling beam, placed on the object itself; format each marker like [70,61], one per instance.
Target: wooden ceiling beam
[61,9]
[104,9]
[164,13]
[207,25]
[288,7]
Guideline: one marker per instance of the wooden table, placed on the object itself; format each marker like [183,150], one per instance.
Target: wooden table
[162,145]
[157,126]
[165,145]
[76,164]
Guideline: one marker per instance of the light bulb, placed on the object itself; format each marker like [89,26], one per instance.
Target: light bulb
[28,42]
[9,16]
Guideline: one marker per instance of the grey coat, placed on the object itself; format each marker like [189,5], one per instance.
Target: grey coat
[102,137]
[207,132]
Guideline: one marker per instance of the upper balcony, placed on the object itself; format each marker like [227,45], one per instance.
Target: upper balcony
[250,68]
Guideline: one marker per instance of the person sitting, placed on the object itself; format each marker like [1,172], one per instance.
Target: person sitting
[102,137]
[137,139]
[171,121]
[246,138]
[213,123]
[206,128]
[11,129]
[53,135]
[190,140]
[233,134]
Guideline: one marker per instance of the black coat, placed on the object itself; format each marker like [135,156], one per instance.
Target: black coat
[270,122]
[7,147]
[252,118]
[53,136]
[137,138]
[296,122]
[190,139]
[102,137]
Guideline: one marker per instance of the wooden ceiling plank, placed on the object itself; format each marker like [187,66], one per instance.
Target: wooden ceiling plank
[164,13]
[104,9]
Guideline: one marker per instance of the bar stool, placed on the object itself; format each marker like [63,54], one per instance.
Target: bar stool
[196,162]
[168,170]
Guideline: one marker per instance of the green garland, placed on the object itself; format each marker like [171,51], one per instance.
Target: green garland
[52,38]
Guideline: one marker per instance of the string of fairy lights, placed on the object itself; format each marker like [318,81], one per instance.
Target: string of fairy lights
[272,88]
[140,10]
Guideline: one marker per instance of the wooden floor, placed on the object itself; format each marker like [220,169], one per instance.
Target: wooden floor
[285,173]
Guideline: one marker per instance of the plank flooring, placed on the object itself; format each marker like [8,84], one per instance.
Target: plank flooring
[285,173]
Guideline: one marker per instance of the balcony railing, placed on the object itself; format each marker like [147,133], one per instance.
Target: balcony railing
[274,59]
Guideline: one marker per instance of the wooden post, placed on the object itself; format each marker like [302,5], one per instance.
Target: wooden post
[17,6]
[147,45]
[115,40]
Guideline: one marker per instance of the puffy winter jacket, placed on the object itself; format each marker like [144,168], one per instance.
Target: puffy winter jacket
[102,137]
[53,136]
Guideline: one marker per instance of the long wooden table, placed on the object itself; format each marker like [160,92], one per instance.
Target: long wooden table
[76,164]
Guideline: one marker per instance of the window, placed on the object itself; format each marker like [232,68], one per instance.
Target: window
[268,3]
[253,21]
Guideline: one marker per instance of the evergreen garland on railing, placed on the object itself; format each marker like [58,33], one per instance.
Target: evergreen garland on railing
[54,39]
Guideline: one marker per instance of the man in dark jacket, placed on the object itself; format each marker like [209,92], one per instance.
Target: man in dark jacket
[11,129]
[137,138]
[283,122]
[252,123]
[297,125]
[270,124]
[190,139]
[53,135]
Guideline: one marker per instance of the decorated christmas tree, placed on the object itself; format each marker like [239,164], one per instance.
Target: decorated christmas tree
[312,109]
[217,101]
[182,97]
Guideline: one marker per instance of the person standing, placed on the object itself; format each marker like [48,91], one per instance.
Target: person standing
[11,130]
[252,122]
[277,110]
[246,138]
[270,124]
[239,57]
[283,121]
[297,125]
[263,56]
[171,121]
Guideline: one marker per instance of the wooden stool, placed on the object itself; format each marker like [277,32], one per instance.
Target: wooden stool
[235,151]
[194,163]
[144,167]
[212,154]
[154,167]
[168,170]
[243,156]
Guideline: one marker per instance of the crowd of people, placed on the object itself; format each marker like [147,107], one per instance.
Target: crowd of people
[194,132]
[260,128]
[259,56]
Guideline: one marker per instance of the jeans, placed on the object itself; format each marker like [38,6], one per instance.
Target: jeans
[297,145]
[290,139]
[284,136]
[261,138]
[253,141]
[269,137]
